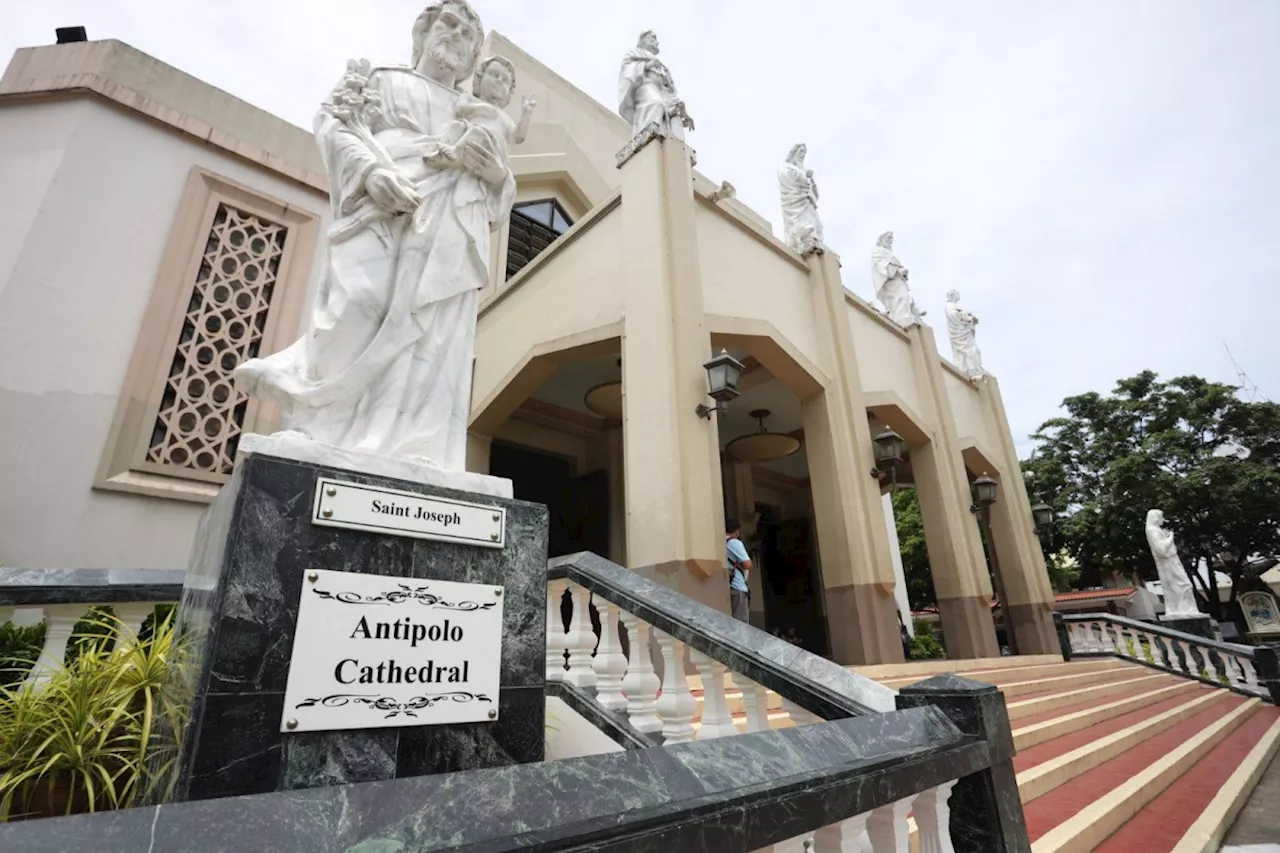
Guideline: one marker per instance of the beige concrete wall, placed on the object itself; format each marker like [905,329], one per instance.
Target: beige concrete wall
[561,294]
[597,130]
[744,277]
[92,213]
[884,356]
[975,424]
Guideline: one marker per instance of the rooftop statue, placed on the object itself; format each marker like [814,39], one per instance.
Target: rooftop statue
[890,279]
[962,327]
[646,92]
[1179,597]
[800,220]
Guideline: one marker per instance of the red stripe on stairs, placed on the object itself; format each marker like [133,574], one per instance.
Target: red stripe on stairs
[1095,702]
[1051,749]
[1161,824]
[1067,800]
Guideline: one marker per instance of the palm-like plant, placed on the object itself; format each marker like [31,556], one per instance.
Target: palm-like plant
[86,738]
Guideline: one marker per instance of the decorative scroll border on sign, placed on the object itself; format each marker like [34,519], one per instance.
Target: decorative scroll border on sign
[403,593]
[390,704]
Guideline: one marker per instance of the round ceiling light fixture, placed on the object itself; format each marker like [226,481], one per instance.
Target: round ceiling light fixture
[763,446]
[605,400]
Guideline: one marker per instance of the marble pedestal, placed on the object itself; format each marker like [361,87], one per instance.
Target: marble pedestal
[237,620]
[1201,626]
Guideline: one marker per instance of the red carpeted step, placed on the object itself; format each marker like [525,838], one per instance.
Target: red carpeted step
[1048,750]
[1067,800]
[1107,699]
[1161,824]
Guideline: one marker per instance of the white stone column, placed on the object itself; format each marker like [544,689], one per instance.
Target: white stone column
[557,638]
[60,620]
[610,665]
[132,615]
[716,720]
[676,705]
[887,827]
[582,640]
[641,682]
[933,819]
[755,700]
[847,836]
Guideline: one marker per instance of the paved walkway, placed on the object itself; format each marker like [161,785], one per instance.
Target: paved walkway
[1257,829]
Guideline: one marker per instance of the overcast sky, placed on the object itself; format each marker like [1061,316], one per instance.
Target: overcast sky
[1099,178]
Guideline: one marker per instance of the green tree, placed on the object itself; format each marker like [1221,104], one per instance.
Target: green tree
[915,559]
[1189,447]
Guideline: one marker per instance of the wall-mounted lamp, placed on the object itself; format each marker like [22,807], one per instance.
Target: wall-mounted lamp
[723,373]
[984,493]
[1042,514]
[889,449]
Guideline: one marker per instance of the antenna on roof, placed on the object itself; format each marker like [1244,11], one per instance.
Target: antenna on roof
[1247,386]
[69,35]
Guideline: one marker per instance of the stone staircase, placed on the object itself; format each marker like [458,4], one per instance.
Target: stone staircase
[1112,756]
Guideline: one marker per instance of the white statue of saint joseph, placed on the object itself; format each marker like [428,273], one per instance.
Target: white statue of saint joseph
[800,222]
[1179,597]
[385,364]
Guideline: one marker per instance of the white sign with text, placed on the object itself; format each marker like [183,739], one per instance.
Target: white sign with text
[372,651]
[356,506]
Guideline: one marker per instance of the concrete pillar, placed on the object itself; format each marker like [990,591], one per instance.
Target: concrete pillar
[673,497]
[478,447]
[952,537]
[1029,613]
[857,563]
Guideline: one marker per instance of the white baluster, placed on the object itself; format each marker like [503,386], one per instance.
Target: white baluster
[847,836]
[60,619]
[610,664]
[933,819]
[1250,674]
[1211,671]
[755,700]
[132,616]
[641,683]
[887,827]
[1232,671]
[1076,638]
[557,638]
[1157,653]
[582,640]
[1108,642]
[1190,665]
[716,720]
[676,705]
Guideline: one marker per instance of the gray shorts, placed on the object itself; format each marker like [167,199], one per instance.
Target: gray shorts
[740,605]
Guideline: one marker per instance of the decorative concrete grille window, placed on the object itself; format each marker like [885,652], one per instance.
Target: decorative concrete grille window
[231,285]
[535,225]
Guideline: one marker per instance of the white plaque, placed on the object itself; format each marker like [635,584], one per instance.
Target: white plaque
[372,651]
[359,507]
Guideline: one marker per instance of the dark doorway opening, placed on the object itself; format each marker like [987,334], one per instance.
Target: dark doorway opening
[792,588]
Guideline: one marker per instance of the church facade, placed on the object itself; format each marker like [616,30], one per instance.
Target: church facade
[158,232]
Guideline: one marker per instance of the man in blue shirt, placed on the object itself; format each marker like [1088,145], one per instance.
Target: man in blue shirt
[739,571]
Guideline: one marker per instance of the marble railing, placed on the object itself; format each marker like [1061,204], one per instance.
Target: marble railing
[1250,670]
[631,679]
[62,597]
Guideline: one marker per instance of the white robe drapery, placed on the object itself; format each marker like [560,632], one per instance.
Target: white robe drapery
[800,221]
[1179,596]
[646,96]
[891,288]
[385,364]
[964,341]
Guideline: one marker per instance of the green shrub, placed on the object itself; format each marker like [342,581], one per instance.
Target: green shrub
[19,650]
[87,738]
[925,645]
